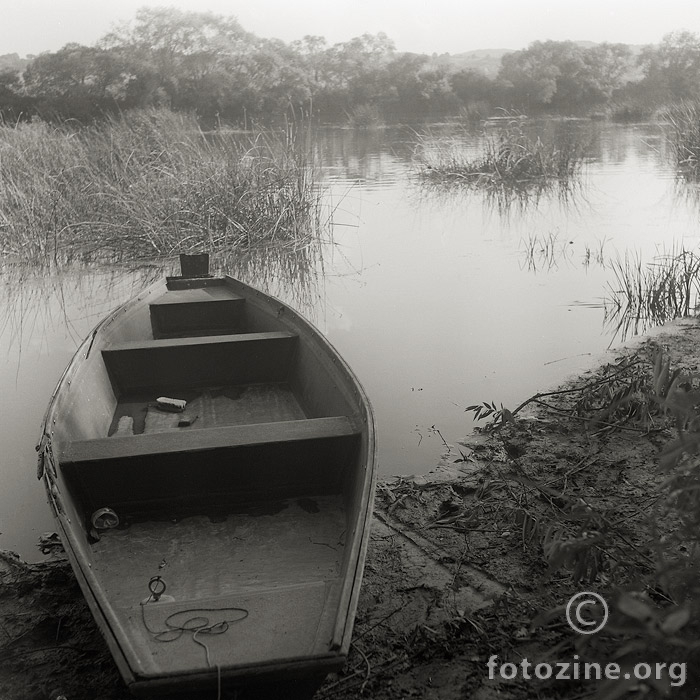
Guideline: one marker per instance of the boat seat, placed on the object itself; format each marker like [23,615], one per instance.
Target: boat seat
[194,440]
[213,309]
[240,358]
[198,471]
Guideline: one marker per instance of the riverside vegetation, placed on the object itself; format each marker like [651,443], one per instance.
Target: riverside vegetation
[643,554]
[150,184]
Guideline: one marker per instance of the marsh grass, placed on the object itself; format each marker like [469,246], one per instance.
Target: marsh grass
[512,165]
[684,123]
[150,184]
[596,255]
[644,294]
[545,252]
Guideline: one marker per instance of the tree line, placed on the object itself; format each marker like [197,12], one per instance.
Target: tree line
[212,66]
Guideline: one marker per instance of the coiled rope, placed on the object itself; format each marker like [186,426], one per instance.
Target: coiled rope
[176,626]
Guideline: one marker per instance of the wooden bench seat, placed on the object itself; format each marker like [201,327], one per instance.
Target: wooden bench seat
[208,470]
[193,440]
[240,358]
[195,311]
[134,345]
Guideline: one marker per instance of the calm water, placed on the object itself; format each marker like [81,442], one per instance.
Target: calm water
[430,296]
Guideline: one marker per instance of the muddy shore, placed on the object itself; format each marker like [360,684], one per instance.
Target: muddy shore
[455,571]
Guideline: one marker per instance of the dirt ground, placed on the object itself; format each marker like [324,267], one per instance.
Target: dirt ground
[465,562]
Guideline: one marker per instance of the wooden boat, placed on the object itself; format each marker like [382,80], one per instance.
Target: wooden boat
[209,459]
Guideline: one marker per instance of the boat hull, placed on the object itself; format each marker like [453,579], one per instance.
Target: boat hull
[209,459]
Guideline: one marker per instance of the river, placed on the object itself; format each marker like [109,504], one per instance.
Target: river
[437,299]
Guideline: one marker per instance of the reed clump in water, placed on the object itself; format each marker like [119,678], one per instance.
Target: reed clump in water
[653,293]
[512,161]
[149,184]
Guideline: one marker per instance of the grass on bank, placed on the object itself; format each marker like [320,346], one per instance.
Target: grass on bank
[149,184]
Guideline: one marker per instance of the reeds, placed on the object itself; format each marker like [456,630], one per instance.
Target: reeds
[544,252]
[149,184]
[653,293]
[684,123]
[512,161]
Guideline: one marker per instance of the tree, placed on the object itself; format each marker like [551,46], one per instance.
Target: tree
[472,86]
[196,57]
[78,81]
[358,68]
[609,64]
[672,70]
[564,75]
[14,104]
[531,75]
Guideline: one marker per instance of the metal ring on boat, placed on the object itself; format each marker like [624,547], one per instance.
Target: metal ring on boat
[157,587]
[104,519]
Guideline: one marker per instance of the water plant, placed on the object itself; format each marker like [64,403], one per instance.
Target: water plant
[511,161]
[644,294]
[596,255]
[544,251]
[148,184]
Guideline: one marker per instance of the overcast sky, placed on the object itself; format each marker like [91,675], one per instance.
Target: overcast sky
[424,26]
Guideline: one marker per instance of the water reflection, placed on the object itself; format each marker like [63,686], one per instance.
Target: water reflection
[35,302]
[365,156]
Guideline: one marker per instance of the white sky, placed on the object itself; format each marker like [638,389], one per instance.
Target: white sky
[424,26]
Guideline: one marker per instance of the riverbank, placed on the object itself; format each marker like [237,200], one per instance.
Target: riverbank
[471,560]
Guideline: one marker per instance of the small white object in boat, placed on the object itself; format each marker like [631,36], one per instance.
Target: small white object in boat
[165,403]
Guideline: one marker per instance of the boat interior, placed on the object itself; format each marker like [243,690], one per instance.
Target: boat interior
[228,441]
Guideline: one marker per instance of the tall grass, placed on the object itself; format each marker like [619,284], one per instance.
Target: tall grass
[149,184]
[652,293]
[684,121]
[511,160]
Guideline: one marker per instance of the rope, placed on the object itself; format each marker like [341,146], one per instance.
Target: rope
[196,624]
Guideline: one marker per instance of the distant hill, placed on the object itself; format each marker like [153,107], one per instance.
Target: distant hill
[486,61]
